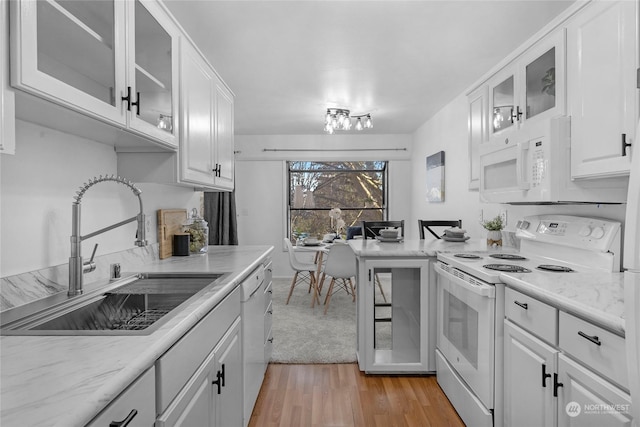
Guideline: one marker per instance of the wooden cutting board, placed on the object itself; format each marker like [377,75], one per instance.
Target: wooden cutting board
[169,222]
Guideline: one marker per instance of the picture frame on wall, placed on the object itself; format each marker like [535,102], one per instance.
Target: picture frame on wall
[435,177]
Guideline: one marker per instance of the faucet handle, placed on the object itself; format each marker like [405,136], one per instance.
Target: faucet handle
[90,266]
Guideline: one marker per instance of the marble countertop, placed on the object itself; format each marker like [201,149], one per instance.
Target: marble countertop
[414,247]
[595,297]
[67,380]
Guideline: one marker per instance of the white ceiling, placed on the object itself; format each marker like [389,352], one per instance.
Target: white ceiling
[401,61]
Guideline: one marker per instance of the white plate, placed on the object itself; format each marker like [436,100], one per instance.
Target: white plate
[456,239]
[312,244]
[393,239]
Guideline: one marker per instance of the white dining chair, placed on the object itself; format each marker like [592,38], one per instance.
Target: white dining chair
[341,267]
[304,271]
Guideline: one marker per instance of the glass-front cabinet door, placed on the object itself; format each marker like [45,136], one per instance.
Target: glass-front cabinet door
[152,72]
[392,311]
[109,59]
[71,51]
[531,88]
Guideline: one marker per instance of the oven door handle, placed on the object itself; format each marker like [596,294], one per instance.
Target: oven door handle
[482,289]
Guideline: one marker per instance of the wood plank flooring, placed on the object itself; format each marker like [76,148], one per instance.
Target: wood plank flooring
[341,395]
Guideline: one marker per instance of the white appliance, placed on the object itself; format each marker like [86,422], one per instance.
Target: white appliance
[470,297]
[631,265]
[252,312]
[533,165]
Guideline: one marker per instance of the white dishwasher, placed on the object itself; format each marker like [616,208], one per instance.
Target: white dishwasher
[252,338]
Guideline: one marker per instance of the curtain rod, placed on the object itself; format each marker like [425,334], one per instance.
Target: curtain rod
[334,149]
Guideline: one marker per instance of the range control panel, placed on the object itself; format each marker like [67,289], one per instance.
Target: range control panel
[593,233]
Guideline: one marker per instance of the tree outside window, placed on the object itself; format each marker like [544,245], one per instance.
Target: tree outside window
[357,189]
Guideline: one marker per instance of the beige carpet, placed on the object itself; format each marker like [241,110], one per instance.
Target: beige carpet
[306,335]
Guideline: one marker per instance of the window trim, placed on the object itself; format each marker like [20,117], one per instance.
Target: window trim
[286,188]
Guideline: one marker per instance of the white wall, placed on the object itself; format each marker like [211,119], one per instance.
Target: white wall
[261,179]
[447,131]
[37,186]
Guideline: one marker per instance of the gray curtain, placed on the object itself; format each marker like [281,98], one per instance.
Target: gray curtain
[220,213]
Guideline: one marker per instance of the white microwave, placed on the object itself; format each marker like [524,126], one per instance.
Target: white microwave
[533,166]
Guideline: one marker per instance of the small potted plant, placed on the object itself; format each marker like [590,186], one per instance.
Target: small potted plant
[494,231]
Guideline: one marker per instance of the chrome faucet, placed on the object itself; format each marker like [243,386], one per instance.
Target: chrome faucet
[76,266]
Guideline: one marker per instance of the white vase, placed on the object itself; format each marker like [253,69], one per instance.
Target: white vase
[494,238]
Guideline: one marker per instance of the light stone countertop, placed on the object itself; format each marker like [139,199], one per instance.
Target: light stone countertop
[416,247]
[595,297]
[67,380]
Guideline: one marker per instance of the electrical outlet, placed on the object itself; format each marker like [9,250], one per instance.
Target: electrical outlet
[503,216]
[480,216]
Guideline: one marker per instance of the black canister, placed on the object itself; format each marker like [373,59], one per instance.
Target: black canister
[181,244]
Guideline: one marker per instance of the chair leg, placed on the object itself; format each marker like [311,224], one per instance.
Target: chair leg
[314,284]
[327,299]
[293,285]
[321,283]
[384,297]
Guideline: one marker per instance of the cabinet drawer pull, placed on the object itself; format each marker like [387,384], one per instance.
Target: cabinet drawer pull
[556,385]
[594,339]
[126,421]
[270,311]
[545,375]
[270,340]
[521,304]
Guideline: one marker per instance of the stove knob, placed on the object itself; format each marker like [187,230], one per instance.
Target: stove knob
[597,232]
[585,231]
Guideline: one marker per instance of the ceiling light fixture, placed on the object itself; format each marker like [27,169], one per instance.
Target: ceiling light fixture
[341,119]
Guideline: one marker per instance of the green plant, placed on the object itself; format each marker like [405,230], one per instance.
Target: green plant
[494,225]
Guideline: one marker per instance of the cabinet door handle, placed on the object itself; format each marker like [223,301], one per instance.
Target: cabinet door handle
[522,304]
[545,375]
[222,376]
[218,382]
[130,100]
[594,339]
[516,115]
[126,421]
[556,385]
[270,340]
[625,144]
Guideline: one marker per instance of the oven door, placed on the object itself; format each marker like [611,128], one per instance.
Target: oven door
[466,321]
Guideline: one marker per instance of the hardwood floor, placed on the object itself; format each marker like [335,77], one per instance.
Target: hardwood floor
[341,395]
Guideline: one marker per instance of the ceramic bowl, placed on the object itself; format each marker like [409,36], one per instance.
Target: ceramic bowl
[389,234]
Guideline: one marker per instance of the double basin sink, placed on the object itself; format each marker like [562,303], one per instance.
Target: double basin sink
[136,305]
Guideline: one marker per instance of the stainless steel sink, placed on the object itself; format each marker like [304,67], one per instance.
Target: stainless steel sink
[134,306]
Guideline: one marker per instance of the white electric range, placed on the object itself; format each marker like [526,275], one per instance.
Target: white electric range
[470,299]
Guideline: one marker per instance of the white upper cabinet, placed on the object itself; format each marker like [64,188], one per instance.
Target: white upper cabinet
[108,59]
[531,88]
[602,95]
[207,144]
[7,99]
[478,131]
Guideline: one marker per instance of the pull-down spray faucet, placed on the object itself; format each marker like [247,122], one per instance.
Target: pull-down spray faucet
[76,266]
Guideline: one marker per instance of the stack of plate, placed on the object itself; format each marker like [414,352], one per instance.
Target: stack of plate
[455,235]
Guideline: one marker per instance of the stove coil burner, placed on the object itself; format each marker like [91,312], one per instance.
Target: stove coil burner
[468,256]
[510,268]
[555,268]
[508,256]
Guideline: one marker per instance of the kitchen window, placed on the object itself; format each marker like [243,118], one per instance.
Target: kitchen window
[358,189]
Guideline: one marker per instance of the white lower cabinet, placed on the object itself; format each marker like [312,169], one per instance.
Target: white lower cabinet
[199,380]
[133,408]
[209,397]
[393,311]
[529,364]
[572,375]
